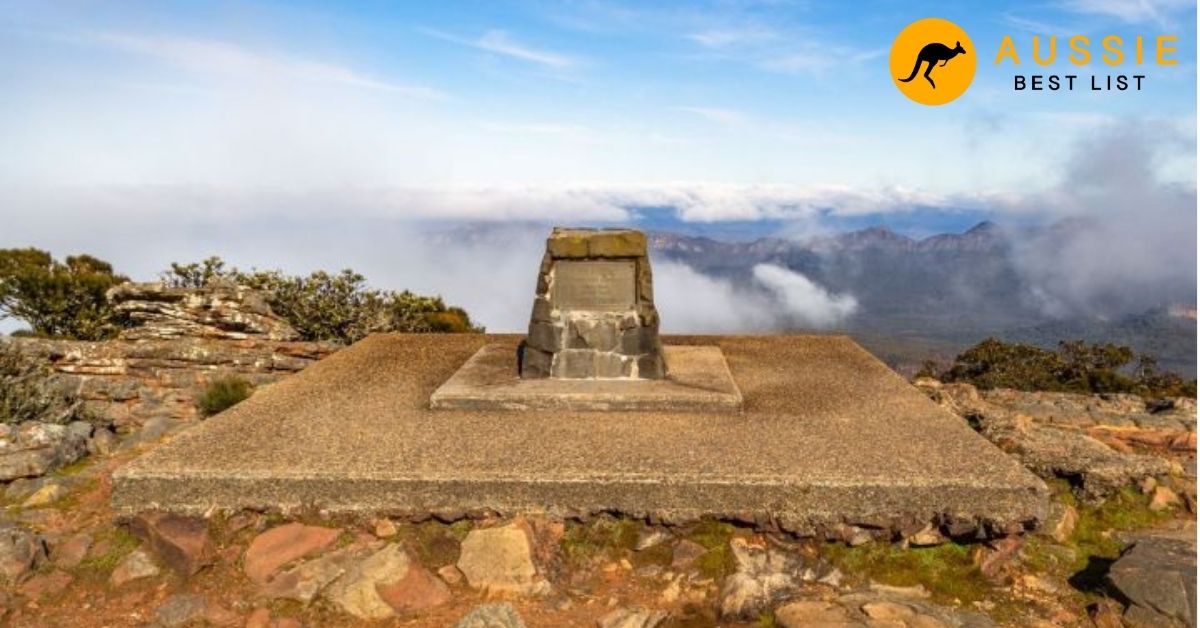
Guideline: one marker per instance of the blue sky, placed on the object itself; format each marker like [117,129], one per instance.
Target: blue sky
[286,134]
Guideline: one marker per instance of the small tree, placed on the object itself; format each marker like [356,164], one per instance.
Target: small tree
[29,392]
[58,299]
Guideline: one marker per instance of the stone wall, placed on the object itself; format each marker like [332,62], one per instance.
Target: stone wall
[130,383]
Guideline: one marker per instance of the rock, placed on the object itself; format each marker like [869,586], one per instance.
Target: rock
[45,495]
[357,591]
[69,553]
[1163,499]
[685,554]
[224,311]
[649,537]
[500,560]
[33,448]
[137,565]
[305,581]
[997,556]
[217,615]
[926,537]
[103,442]
[805,613]
[181,609]
[632,618]
[450,574]
[501,615]
[1157,575]
[385,529]
[764,577]
[183,543]
[416,591]
[259,618]
[21,551]
[20,488]
[1061,522]
[281,545]
[46,585]
[888,611]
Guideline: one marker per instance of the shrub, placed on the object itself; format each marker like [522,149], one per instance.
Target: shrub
[58,299]
[338,307]
[223,393]
[1074,367]
[30,392]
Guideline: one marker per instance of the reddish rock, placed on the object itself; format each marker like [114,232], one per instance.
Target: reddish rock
[416,591]
[281,545]
[69,553]
[287,622]
[46,585]
[218,615]
[183,543]
[995,559]
[259,618]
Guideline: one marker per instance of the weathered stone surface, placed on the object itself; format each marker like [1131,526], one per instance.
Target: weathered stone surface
[33,448]
[135,566]
[632,618]
[594,308]
[68,553]
[46,495]
[764,577]
[281,545]
[1054,434]
[1157,576]
[500,560]
[182,542]
[46,585]
[416,591]
[334,439]
[501,615]
[181,609]
[217,311]
[21,550]
[357,591]
[305,581]
[685,553]
[807,613]
[126,384]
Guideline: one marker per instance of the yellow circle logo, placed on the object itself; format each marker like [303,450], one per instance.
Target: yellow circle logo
[932,61]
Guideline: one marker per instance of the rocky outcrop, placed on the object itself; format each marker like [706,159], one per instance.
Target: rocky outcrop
[1157,576]
[223,311]
[32,448]
[1100,443]
[127,384]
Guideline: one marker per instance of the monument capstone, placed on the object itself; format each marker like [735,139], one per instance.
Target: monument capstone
[593,314]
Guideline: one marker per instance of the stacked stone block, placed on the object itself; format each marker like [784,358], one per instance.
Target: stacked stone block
[593,314]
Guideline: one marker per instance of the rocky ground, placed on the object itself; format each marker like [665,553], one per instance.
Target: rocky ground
[1119,548]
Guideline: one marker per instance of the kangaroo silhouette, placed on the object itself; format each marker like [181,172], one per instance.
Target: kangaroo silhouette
[933,53]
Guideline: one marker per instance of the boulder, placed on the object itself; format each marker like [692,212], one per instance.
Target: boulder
[1157,575]
[416,591]
[500,560]
[182,542]
[283,544]
[501,615]
[357,591]
[223,311]
[21,551]
[135,566]
[763,578]
[305,581]
[33,448]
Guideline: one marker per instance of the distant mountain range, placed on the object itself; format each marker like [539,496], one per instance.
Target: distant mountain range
[932,297]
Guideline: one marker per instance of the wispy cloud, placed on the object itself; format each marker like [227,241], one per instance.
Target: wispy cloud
[1130,11]
[553,129]
[729,37]
[225,58]
[501,43]
[724,117]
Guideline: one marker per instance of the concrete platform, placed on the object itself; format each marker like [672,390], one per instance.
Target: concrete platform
[698,380]
[827,434]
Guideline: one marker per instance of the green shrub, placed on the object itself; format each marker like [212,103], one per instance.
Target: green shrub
[58,299]
[29,391]
[1074,367]
[337,307]
[223,393]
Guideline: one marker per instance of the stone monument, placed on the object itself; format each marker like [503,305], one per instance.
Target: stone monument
[593,315]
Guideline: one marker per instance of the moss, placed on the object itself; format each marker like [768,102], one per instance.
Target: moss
[121,543]
[604,536]
[223,393]
[714,536]
[660,554]
[433,542]
[946,571]
[766,619]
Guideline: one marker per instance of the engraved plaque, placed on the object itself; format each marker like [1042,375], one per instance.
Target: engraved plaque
[606,286]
